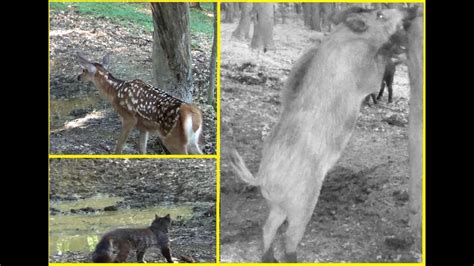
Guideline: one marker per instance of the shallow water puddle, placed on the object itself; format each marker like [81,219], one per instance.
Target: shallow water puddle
[61,108]
[81,232]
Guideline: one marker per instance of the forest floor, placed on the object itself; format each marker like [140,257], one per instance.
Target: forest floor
[144,187]
[362,212]
[81,121]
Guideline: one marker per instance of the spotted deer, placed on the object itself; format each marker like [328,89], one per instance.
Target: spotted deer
[321,103]
[150,109]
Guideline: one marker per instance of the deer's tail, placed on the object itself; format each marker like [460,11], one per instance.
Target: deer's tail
[240,169]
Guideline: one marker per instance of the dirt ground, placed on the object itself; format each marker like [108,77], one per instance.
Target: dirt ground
[362,213]
[143,183]
[82,122]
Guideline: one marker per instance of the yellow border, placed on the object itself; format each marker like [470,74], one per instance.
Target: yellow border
[217,155]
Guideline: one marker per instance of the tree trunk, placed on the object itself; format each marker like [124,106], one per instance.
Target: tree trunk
[415,71]
[263,29]
[297,8]
[327,10]
[229,13]
[307,14]
[212,76]
[196,5]
[315,23]
[284,9]
[243,30]
[172,50]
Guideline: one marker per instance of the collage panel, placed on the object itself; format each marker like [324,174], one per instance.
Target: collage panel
[132,78]
[132,210]
[318,164]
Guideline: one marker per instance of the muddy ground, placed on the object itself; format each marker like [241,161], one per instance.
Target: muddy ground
[82,122]
[362,212]
[142,183]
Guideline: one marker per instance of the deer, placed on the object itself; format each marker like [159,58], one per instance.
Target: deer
[321,103]
[148,108]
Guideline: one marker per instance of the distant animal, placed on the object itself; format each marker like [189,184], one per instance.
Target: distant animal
[116,245]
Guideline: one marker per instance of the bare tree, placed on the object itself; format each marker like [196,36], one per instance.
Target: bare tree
[327,9]
[172,50]
[212,78]
[196,5]
[243,30]
[315,22]
[263,29]
[306,14]
[229,12]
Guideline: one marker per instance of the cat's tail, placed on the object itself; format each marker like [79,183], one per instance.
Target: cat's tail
[103,250]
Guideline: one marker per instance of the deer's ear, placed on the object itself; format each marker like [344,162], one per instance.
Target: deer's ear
[86,64]
[156,216]
[106,59]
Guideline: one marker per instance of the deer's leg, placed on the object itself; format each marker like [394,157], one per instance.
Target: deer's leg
[175,147]
[275,218]
[176,141]
[128,122]
[143,141]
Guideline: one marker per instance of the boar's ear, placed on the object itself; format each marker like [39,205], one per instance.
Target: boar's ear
[167,216]
[156,216]
[410,14]
[356,23]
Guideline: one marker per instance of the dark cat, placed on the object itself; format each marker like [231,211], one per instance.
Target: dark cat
[116,245]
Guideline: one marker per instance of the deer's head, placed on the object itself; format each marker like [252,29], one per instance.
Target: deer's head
[90,70]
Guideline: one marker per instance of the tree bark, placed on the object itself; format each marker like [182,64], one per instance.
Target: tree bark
[307,14]
[327,10]
[172,50]
[315,23]
[415,71]
[297,8]
[243,29]
[196,5]
[263,29]
[212,76]
[229,13]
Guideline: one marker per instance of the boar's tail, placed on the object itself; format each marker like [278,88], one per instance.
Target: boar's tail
[240,169]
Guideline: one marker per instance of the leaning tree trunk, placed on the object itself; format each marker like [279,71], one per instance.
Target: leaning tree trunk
[212,76]
[263,29]
[243,30]
[172,50]
[315,23]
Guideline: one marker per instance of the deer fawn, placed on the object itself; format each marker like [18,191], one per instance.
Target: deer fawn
[321,103]
[148,108]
